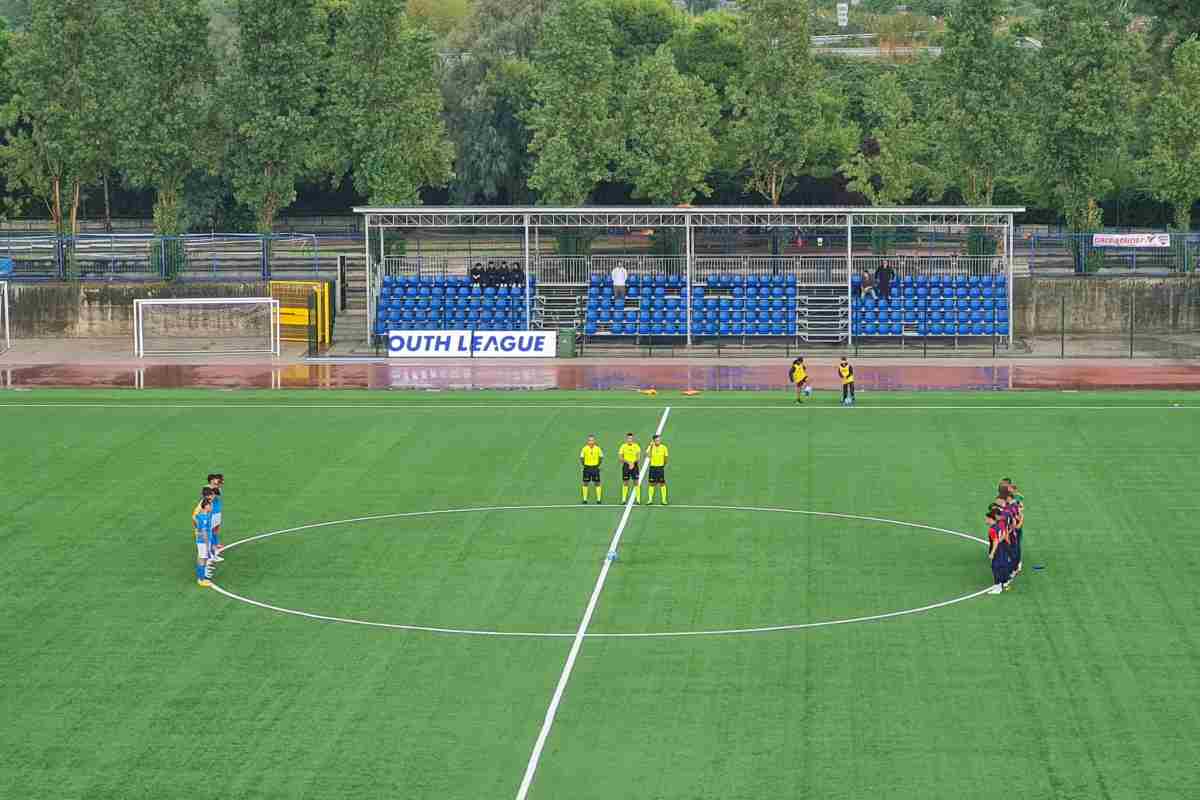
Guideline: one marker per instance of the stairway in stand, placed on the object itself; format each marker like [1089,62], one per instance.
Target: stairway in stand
[557,308]
[822,314]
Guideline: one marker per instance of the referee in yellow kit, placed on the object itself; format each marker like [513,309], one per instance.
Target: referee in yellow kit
[590,457]
[630,453]
[658,453]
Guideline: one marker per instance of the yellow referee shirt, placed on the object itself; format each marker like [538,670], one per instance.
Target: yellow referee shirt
[799,373]
[630,453]
[658,455]
[847,373]
[591,455]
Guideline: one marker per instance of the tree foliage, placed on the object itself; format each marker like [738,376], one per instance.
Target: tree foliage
[575,132]
[669,120]
[385,106]
[272,101]
[166,70]
[787,121]
[56,112]
[980,121]
[891,166]
[1085,122]
[1173,165]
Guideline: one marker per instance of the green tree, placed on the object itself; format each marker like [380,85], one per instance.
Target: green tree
[440,16]
[55,111]
[164,104]
[575,132]
[980,122]
[385,106]
[272,101]
[493,142]
[488,94]
[1085,123]
[640,27]
[1173,165]
[787,121]
[892,164]
[668,120]
[711,49]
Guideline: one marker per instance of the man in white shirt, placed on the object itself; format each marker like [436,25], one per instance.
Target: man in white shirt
[619,277]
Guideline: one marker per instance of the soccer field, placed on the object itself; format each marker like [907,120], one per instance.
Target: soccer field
[121,678]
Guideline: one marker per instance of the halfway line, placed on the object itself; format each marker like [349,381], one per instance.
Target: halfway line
[577,643]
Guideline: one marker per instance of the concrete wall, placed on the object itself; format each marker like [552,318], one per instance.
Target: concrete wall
[91,310]
[1101,305]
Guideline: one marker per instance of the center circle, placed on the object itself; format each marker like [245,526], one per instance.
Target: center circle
[663,563]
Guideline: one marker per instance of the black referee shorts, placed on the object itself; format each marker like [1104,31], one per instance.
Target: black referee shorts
[658,474]
[591,474]
[629,472]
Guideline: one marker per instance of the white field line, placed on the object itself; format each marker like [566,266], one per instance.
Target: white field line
[535,406]
[562,635]
[540,743]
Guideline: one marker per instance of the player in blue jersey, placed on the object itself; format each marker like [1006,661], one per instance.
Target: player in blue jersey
[202,529]
[215,482]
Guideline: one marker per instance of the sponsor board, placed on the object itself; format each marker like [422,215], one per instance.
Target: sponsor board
[1131,240]
[472,344]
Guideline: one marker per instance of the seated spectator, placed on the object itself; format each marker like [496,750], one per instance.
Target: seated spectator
[867,288]
[477,273]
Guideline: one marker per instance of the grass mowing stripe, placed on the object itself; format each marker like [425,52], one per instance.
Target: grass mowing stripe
[577,643]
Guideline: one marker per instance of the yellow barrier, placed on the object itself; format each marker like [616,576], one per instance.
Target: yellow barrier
[294,317]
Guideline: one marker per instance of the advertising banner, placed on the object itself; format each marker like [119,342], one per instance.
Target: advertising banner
[472,344]
[1131,240]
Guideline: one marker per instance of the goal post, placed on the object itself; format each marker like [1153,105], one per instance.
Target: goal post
[5,331]
[222,326]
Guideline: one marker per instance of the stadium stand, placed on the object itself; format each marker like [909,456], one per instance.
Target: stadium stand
[448,303]
[924,302]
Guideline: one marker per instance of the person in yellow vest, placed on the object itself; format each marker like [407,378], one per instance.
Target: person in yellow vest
[798,375]
[846,373]
[658,453]
[629,453]
[590,457]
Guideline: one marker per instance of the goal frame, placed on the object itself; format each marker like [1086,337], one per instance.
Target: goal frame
[139,342]
[6,342]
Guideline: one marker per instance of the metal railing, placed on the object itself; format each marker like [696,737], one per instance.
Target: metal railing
[133,256]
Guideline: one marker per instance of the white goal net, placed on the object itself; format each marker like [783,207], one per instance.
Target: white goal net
[230,326]
[5,332]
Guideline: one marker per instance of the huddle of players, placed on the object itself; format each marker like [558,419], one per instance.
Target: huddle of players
[630,453]
[1006,520]
[206,526]
[798,374]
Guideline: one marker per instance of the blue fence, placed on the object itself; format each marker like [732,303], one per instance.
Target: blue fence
[133,257]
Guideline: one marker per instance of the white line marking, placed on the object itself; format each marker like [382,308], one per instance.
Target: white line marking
[536,406]
[577,644]
[563,635]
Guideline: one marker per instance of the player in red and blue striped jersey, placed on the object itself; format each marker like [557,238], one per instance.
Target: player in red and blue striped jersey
[998,550]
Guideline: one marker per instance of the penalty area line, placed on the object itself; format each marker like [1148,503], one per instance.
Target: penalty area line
[577,643]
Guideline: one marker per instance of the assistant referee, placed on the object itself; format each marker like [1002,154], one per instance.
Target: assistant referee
[658,453]
[630,453]
[590,457]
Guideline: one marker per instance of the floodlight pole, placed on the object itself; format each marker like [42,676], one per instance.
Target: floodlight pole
[850,280]
[687,265]
[371,312]
[528,302]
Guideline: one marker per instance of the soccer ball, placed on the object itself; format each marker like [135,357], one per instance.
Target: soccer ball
[808,391]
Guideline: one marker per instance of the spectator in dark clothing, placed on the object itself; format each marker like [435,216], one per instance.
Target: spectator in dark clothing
[883,279]
[516,276]
[477,273]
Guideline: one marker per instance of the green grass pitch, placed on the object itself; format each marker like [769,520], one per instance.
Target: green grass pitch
[120,678]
